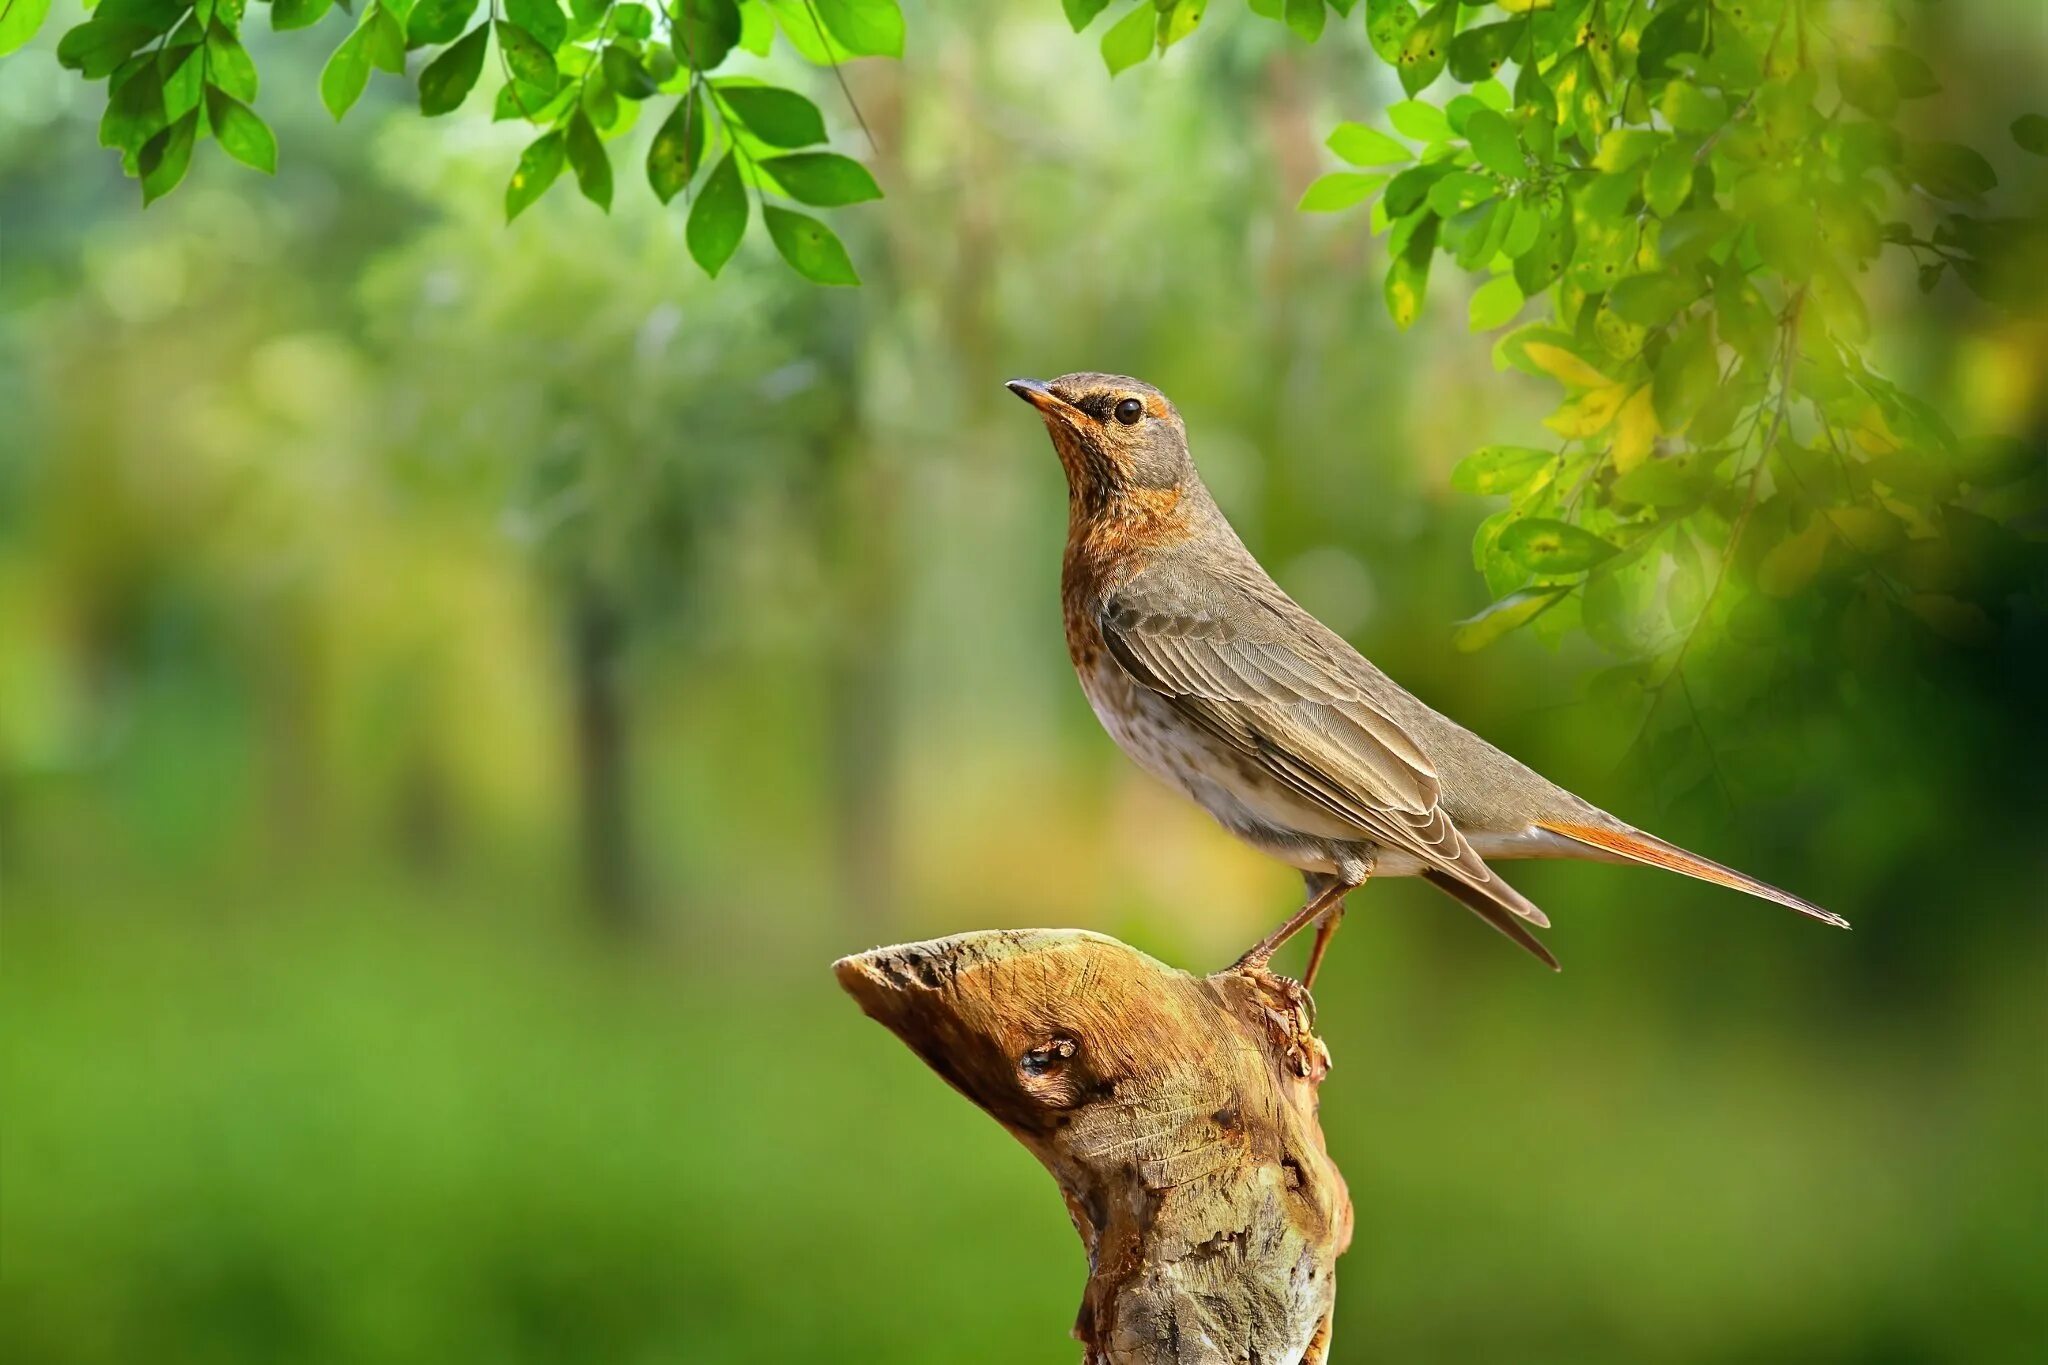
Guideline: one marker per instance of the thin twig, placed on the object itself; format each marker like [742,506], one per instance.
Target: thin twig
[826,44]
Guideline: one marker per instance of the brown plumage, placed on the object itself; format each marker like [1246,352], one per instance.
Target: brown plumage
[1210,677]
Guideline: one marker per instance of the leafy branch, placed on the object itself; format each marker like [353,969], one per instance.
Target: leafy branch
[178,75]
[1690,196]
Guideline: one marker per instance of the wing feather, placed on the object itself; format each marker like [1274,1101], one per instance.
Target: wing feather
[1255,671]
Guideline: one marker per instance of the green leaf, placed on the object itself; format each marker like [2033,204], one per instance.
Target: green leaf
[517,101]
[1495,144]
[633,21]
[19,20]
[1387,25]
[1477,53]
[1419,120]
[1494,303]
[831,31]
[346,73]
[1953,619]
[1867,86]
[1459,190]
[1690,235]
[1305,17]
[678,147]
[540,18]
[1668,180]
[2030,131]
[1180,21]
[704,32]
[538,166]
[1912,77]
[1081,13]
[448,79]
[1516,609]
[1685,375]
[162,16]
[1427,46]
[1652,300]
[1788,566]
[1626,147]
[1544,545]
[1500,469]
[757,29]
[384,40]
[165,157]
[95,49]
[529,62]
[822,179]
[291,14]
[1663,482]
[1674,28]
[1406,191]
[437,21]
[1948,170]
[1339,190]
[625,73]
[1408,274]
[1690,109]
[1363,146]
[809,246]
[135,110]
[1129,40]
[865,28]
[780,118]
[241,133]
[185,83]
[719,217]
[588,159]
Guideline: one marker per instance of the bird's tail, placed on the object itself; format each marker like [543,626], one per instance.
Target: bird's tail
[1632,845]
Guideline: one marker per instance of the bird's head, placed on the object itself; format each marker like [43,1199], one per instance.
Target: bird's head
[1114,434]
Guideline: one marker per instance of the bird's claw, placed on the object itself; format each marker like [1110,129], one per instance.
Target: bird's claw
[1290,1020]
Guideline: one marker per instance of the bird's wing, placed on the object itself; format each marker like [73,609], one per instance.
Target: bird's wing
[1243,662]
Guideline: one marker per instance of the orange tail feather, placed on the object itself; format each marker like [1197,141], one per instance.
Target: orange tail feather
[1637,846]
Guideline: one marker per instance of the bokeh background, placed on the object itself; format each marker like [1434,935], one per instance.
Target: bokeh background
[461,685]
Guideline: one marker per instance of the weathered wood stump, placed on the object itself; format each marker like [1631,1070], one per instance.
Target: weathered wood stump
[1177,1113]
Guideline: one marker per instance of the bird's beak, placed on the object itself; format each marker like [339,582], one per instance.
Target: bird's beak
[1042,397]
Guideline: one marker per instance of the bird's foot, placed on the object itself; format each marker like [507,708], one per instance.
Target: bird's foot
[1290,1019]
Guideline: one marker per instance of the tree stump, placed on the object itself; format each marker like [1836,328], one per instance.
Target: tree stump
[1177,1113]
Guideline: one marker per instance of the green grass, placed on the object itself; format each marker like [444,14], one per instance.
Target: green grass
[394,1132]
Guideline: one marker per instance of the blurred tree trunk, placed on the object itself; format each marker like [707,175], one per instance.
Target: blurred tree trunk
[860,512]
[861,684]
[1291,143]
[597,641]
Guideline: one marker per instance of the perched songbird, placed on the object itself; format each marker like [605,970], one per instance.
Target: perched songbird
[1211,678]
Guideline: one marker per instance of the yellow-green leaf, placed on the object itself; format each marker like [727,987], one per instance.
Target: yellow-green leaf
[1516,609]
[1792,563]
[1339,190]
[1544,545]
[1589,413]
[1363,146]
[1562,364]
[1495,302]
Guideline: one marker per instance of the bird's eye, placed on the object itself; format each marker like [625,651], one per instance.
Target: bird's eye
[1047,1057]
[1129,411]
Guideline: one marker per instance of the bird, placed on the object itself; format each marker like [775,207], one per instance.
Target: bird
[1213,679]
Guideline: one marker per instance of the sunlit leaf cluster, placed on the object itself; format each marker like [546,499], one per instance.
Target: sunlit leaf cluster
[177,75]
[1690,197]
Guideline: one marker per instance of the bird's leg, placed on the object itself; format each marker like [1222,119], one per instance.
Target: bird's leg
[1262,952]
[1351,876]
[1324,931]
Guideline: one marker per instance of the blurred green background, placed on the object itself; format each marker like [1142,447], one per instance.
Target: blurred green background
[461,685]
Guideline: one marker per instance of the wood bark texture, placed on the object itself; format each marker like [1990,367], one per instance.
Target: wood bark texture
[1177,1113]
